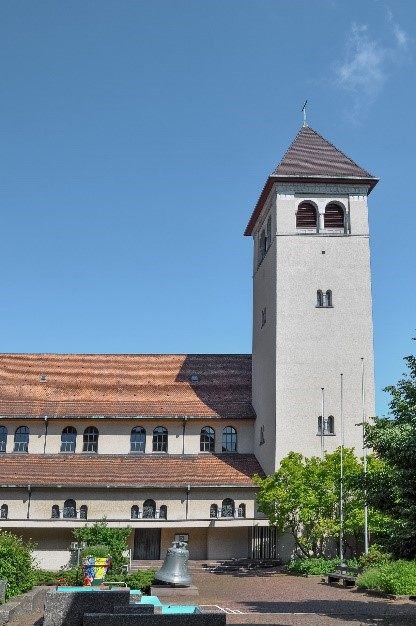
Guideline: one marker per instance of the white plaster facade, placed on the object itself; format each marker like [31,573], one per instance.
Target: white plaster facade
[303,348]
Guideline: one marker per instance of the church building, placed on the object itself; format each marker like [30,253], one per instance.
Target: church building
[169,444]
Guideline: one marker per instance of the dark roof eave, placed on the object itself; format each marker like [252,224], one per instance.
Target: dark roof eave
[371,182]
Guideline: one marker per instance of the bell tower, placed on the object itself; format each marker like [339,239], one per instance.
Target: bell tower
[312,310]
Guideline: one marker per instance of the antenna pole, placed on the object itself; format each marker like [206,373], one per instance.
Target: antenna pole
[322,422]
[365,459]
[341,486]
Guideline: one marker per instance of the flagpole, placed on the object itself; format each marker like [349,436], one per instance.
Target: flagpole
[364,459]
[322,422]
[341,487]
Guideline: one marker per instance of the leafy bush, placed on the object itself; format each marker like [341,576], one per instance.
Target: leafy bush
[141,580]
[395,577]
[16,563]
[314,566]
[115,538]
[376,556]
[63,577]
[99,551]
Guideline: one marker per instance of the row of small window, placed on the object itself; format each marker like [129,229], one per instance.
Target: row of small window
[307,216]
[137,439]
[148,510]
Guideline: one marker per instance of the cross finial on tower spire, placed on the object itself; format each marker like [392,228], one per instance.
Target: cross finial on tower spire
[305,123]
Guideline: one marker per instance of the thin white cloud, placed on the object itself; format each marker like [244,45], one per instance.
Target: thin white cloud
[402,38]
[364,67]
[368,63]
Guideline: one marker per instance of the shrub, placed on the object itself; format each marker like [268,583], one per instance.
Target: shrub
[16,563]
[376,556]
[311,566]
[100,534]
[395,577]
[141,580]
[99,551]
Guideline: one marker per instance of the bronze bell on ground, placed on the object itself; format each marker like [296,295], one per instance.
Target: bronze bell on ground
[174,570]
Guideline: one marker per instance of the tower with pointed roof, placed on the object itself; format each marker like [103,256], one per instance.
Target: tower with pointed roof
[312,310]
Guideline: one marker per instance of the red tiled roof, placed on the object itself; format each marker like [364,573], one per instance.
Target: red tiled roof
[83,385]
[141,470]
[311,158]
[312,155]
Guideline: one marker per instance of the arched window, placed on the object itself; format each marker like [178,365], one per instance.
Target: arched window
[149,509]
[134,512]
[229,439]
[160,439]
[83,512]
[227,508]
[334,216]
[163,512]
[319,298]
[241,512]
[21,439]
[137,439]
[3,438]
[70,508]
[306,216]
[328,296]
[4,511]
[330,425]
[319,424]
[207,439]
[213,510]
[90,439]
[55,512]
[68,439]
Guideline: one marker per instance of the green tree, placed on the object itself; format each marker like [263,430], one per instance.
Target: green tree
[16,563]
[116,539]
[303,498]
[393,439]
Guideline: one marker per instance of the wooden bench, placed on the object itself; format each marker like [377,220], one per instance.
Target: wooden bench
[346,575]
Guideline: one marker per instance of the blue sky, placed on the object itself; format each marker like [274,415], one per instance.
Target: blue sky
[136,137]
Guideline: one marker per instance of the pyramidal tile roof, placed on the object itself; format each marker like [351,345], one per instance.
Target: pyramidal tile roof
[311,158]
[312,155]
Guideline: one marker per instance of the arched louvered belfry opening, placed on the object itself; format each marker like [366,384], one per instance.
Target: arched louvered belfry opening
[306,216]
[55,512]
[83,512]
[213,510]
[134,512]
[334,216]
[163,512]
[4,511]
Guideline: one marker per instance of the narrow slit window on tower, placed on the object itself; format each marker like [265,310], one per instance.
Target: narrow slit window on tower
[306,216]
[319,298]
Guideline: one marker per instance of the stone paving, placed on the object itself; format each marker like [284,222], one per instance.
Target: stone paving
[273,599]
